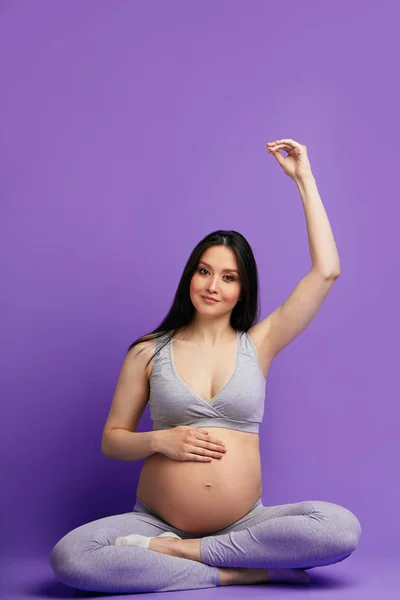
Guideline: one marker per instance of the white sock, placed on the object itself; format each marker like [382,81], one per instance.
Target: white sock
[141,541]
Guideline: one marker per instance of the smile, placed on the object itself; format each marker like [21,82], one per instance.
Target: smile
[209,301]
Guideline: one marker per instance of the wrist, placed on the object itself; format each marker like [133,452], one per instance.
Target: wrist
[304,180]
[156,440]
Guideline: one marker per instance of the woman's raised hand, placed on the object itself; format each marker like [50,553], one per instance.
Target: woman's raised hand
[296,164]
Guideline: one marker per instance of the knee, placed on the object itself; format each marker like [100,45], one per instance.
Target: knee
[345,526]
[350,528]
[66,560]
[354,529]
[60,560]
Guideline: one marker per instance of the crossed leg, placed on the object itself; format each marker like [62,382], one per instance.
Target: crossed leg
[87,559]
[301,535]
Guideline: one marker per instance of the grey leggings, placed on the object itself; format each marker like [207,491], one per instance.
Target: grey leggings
[300,535]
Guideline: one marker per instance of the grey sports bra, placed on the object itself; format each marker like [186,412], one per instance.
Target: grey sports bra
[238,405]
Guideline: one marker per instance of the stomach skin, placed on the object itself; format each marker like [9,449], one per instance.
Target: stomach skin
[204,497]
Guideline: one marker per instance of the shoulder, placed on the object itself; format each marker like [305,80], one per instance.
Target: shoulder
[143,351]
[257,336]
[147,348]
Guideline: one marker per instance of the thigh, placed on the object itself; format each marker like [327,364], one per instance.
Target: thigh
[263,513]
[318,510]
[103,532]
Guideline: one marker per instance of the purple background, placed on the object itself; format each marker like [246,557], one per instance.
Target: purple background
[130,130]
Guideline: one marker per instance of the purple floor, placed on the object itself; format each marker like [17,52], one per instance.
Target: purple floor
[358,577]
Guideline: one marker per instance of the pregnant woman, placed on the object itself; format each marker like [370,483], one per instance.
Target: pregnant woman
[198,520]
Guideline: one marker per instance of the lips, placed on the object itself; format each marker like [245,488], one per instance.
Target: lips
[208,298]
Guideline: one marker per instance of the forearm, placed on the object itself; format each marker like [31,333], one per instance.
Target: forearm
[121,444]
[323,250]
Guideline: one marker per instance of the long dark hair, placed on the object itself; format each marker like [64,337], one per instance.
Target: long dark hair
[246,311]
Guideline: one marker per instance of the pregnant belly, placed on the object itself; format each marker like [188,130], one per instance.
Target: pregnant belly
[200,497]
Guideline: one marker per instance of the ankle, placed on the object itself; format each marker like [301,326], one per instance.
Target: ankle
[227,576]
[232,576]
[244,576]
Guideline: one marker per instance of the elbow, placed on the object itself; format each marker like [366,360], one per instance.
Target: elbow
[105,450]
[327,273]
[107,455]
[334,275]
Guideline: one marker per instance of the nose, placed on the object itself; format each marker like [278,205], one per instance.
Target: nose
[212,291]
[213,282]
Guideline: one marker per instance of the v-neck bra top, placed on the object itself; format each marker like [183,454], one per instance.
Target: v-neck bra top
[238,405]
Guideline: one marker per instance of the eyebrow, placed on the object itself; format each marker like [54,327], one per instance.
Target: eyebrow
[224,270]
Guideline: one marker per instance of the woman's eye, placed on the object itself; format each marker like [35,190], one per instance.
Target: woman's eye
[230,276]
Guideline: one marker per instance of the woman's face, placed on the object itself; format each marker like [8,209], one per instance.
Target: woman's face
[216,276]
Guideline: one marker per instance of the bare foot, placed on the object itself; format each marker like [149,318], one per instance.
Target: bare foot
[238,576]
[244,576]
[166,545]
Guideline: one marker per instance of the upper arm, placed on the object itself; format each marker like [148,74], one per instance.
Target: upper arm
[287,321]
[132,389]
